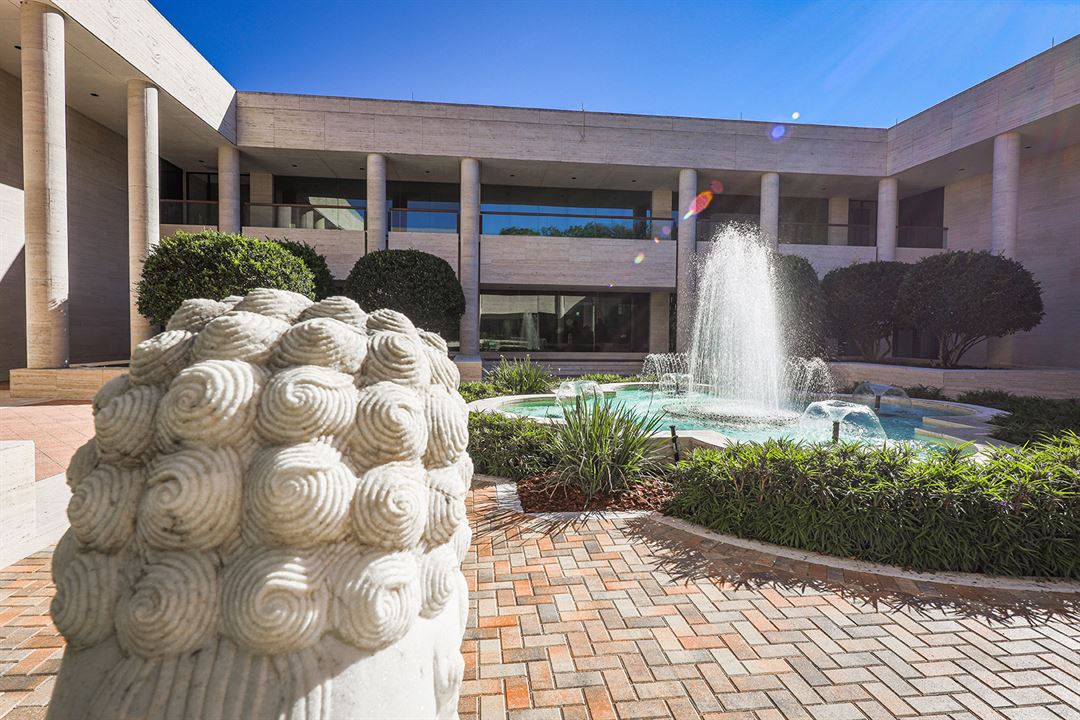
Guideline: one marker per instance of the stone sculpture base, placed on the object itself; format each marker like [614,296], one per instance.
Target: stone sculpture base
[329,680]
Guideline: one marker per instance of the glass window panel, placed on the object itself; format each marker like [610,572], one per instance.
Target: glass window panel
[564,322]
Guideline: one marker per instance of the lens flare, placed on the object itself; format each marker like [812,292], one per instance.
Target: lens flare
[698,204]
[777,132]
[656,240]
[796,115]
[716,186]
[666,230]
[639,258]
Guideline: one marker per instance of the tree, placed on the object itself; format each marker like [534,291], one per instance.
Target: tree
[214,265]
[315,262]
[860,305]
[966,297]
[800,305]
[422,286]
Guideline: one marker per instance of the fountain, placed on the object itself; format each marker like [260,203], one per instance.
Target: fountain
[572,393]
[657,365]
[884,399]
[831,420]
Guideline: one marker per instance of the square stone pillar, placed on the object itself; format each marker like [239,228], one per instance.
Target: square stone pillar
[770,208]
[685,254]
[228,189]
[144,223]
[1004,224]
[838,215]
[262,191]
[888,209]
[469,265]
[376,203]
[44,152]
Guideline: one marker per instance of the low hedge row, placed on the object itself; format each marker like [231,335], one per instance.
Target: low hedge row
[509,447]
[1017,513]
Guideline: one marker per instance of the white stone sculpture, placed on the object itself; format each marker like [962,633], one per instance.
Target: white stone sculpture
[269,522]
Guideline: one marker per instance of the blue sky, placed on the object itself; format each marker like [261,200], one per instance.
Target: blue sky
[845,63]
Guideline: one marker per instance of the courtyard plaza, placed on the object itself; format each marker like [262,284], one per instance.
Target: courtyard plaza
[634,616]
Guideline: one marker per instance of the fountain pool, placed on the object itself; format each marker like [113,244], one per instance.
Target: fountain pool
[646,400]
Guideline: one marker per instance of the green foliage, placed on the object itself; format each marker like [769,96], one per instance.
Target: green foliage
[860,303]
[478,391]
[585,230]
[515,230]
[1016,513]
[604,447]
[509,447]
[925,392]
[520,377]
[801,305]
[1030,419]
[315,262]
[968,296]
[214,265]
[422,286]
[603,378]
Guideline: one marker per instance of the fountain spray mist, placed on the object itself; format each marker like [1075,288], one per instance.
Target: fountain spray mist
[737,351]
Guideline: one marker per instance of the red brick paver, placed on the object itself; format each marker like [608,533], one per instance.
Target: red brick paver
[57,427]
[614,620]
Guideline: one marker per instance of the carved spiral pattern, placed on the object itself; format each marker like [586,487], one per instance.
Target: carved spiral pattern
[305,403]
[438,579]
[157,360]
[172,606]
[390,425]
[270,470]
[194,314]
[212,403]
[192,499]
[390,321]
[82,608]
[322,341]
[83,461]
[103,506]
[109,391]
[238,335]
[397,357]
[390,507]
[339,308]
[448,427]
[298,496]
[281,304]
[446,501]
[274,600]
[444,371]
[124,428]
[376,597]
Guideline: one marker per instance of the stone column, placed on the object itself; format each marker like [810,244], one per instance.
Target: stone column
[44,150]
[1004,222]
[684,267]
[838,215]
[770,208]
[376,202]
[659,322]
[888,207]
[144,225]
[469,268]
[262,191]
[228,189]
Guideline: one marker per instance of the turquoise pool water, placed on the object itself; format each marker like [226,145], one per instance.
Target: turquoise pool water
[899,425]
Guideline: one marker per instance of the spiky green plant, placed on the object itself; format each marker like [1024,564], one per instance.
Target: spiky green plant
[604,447]
[520,376]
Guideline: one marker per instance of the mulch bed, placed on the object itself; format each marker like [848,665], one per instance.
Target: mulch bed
[539,494]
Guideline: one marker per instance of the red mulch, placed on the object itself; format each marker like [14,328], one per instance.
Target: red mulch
[539,494]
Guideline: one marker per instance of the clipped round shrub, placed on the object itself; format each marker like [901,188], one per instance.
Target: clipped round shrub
[315,262]
[421,286]
[215,265]
[964,297]
[801,306]
[860,302]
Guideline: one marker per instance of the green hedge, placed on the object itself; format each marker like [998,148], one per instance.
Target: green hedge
[1017,513]
[422,286]
[478,391]
[508,447]
[215,265]
[315,262]
[1030,419]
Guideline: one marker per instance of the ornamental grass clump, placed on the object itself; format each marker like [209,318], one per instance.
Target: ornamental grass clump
[520,377]
[604,448]
[1016,512]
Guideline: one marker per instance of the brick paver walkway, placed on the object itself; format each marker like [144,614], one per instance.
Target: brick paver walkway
[57,428]
[607,620]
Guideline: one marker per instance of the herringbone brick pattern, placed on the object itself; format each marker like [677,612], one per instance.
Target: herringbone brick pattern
[617,620]
[631,619]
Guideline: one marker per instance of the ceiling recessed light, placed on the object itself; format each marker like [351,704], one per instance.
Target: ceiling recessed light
[574,177]
[511,174]
[94,95]
[633,181]
[962,169]
[202,162]
[18,47]
[427,172]
[295,165]
[1027,147]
